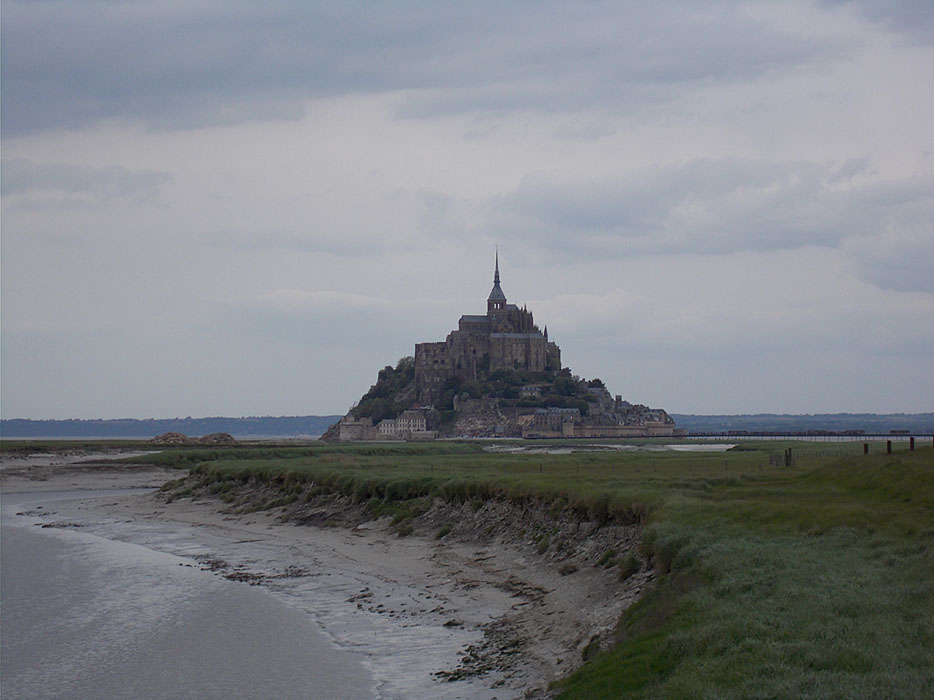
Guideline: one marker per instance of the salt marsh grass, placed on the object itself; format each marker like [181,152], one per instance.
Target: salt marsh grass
[815,583]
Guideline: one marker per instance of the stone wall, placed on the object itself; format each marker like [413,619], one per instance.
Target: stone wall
[518,351]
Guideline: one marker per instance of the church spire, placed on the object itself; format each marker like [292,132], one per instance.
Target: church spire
[496,300]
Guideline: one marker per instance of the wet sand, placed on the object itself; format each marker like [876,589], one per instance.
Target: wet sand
[429,618]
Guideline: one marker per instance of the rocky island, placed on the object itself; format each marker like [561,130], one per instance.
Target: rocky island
[497,375]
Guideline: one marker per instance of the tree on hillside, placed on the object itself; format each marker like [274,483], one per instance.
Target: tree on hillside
[391,394]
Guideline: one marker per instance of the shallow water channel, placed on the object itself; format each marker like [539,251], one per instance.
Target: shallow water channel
[87,616]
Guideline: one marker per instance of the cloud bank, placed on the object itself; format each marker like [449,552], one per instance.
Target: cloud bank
[230,208]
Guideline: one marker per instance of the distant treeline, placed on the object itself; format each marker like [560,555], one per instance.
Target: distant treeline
[293,426]
[785,423]
[263,426]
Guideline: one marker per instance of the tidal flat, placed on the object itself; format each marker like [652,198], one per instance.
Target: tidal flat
[596,574]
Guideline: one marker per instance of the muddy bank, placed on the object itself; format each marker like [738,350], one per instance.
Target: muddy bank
[540,586]
[31,470]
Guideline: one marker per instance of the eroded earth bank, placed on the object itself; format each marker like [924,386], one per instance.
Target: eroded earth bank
[534,588]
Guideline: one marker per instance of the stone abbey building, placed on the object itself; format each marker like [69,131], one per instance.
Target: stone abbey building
[419,399]
[505,337]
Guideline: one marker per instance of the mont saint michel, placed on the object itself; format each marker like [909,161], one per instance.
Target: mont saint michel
[497,375]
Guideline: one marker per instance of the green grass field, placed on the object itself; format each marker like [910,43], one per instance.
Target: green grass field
[810,581]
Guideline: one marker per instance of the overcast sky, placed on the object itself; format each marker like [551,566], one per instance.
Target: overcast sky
[241,208]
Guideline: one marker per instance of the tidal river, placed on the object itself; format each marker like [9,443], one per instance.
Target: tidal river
[84,616]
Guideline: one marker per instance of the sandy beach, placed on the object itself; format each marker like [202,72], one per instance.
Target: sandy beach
[430,618]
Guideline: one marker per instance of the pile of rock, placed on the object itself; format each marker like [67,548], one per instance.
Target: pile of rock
[217,439]
[181,439]
[172,439]
[479,418]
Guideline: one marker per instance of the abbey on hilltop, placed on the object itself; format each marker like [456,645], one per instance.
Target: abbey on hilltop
[496,375]
[504,338]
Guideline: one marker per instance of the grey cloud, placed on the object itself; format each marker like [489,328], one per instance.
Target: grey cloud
[911,18]
[728,205]
[24,177]
[300,317]
[704,205]
[305,241]
[174,66]
[897,252]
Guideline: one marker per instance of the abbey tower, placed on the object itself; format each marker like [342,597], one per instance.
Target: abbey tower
[505,338]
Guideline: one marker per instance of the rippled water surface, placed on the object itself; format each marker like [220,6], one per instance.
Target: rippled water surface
[85,616]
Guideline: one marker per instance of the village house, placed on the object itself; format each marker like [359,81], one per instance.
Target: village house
[409,425]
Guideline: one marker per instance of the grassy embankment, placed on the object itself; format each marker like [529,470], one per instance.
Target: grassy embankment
[810,581]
